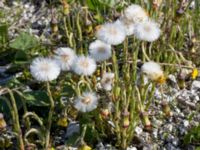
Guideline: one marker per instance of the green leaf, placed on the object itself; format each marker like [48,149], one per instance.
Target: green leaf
[73,139]
[37,98]
[193,135]
[24,41]
[4,108]
[197,148]
[92,4]
[21,56]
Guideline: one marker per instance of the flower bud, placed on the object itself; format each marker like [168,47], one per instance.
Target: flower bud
[62,122]
[145,120]
[54,25]
[117,92]
[65,8]
[166,109]
[2,122]
[156,3]
[105,113]
[126,122]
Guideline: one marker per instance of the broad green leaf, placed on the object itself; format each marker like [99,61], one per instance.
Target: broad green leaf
[37,98]
[24,41]
[20,56]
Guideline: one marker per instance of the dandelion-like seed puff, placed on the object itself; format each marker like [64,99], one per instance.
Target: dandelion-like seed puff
[135,14]
[65,57]
[44,69]
[87,102]
[84,65]
[147,31]
[100,51]
[153,71]
[107,81]
[111,33]
[128,26]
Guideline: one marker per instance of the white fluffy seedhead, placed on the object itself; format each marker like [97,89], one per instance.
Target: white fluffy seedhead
[100,51]
[147,31]
[87,102]
[152,70]
[65,57]
[135,13]
[84,65]
[111,33]
[44,69]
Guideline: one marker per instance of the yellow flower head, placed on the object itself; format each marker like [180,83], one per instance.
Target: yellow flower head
[194,73]
[84,147]
[62,122]
[154,72]
[161,79]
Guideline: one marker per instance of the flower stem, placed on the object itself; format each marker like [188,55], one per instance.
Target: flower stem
[49,121]
[16,120]
[145,56]
[83,134]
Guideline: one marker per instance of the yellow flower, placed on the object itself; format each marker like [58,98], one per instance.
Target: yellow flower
[194,73]
[84,147]
[62,122]
[161,79]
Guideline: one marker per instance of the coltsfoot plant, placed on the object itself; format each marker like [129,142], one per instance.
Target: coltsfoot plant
[104,77]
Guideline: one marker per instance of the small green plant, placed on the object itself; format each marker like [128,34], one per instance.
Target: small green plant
[193,136]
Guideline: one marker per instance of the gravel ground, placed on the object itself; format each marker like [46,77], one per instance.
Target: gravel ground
[167,133]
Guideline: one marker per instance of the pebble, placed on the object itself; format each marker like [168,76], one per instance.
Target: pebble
[195,86]
[72,128]
[186,123]
[169,146]
[175,142]
[163,131]
[138,130]
[155,133]
[131,148]
[169,127]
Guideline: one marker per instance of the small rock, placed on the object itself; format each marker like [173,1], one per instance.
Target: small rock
[100,146]
[169,146]
[169,127]
[72,128]
[149,147]
[185,123]
[138,130]
[175,142]
[131,148]
[182,130]
[195,86]
[155,133]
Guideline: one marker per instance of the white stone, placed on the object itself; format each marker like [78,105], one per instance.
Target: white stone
[131,148]
[138,130]
[185,123]
[195,85]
